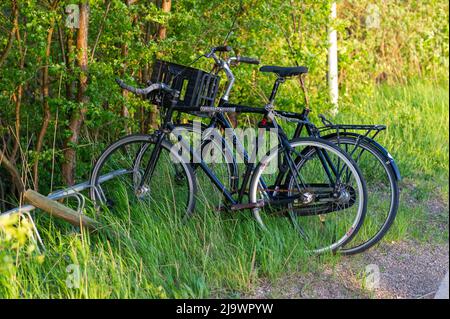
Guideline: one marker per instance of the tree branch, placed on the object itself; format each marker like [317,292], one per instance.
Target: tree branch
[100,29]
[13,171]
[5,53]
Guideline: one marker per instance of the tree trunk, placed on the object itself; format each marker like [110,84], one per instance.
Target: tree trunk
[77,117]
[18,103]
[145,78]
[69,64]
[162,34]
[165,6]
[124,111]
[100,30]
[18,100]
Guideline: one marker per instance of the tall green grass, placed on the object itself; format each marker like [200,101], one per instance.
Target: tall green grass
[417,136]
[150,254]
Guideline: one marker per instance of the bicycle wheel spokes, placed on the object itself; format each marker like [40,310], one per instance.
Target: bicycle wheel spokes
[331,214]
[168,190]
[324,213]
[115,187]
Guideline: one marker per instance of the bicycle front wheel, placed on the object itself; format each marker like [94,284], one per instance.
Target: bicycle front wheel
[116,179]
[320,201]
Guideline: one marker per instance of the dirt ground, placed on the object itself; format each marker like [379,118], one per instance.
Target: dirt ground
[406,270]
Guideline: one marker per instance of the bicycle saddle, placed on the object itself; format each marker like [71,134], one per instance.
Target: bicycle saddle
[284,71]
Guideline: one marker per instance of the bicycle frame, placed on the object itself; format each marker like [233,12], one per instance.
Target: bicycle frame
[220,119]
[304,122]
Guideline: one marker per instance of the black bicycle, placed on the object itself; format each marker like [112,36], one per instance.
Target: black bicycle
[377,165]
[323,197]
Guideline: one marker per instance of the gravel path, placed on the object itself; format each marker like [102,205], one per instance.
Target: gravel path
[406,270]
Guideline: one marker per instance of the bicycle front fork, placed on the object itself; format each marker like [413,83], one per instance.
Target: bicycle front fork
[149,169]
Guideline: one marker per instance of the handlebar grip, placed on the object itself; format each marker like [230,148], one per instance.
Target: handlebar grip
[222,48]
[152,87]
[129,87]
[243,59]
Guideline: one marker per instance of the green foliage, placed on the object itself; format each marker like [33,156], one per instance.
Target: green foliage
[15,247]
[411,40]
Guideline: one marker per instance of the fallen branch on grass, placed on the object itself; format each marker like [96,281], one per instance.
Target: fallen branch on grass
[53,208]
[56,209]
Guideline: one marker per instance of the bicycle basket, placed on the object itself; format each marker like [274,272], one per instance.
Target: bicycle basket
[197,87]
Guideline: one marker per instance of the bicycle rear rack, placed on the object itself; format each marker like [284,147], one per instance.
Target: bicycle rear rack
[371,131]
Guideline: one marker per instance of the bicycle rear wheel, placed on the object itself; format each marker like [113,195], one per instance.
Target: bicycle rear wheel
[115,178]
[325,195]
[382,189]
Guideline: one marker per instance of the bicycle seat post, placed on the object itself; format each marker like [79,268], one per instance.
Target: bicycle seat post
[277,83]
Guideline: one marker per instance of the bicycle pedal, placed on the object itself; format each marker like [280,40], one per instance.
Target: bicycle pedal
[141,192]
[258,204]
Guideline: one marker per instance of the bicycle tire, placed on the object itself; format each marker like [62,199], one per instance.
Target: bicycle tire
[395,193]
[97,194]
[358,220]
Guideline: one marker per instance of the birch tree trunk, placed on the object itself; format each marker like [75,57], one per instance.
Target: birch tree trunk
[333,61]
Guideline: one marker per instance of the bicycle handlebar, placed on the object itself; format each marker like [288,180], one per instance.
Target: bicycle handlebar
[223,64]
[243,59]
[150,88]
[236,59]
